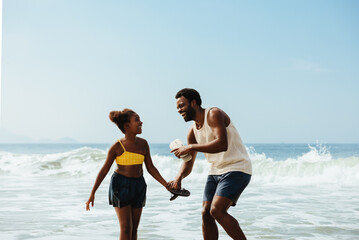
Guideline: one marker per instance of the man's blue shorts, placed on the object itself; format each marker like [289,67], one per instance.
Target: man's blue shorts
[229,185]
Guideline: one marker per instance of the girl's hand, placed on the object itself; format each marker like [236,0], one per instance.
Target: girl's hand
[167,186]
[91,200]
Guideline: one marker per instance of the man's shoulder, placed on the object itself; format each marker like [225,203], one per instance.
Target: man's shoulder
[217,116]
[215,112]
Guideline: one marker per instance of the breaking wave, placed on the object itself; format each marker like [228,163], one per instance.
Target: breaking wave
[317,166]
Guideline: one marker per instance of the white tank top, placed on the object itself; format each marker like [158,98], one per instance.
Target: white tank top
[234,159]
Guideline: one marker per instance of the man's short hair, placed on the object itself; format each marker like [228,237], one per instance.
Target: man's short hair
[190,94]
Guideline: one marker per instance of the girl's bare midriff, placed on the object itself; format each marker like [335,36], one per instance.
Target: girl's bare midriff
[133,171]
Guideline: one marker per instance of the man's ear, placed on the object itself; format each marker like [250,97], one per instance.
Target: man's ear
[193,103]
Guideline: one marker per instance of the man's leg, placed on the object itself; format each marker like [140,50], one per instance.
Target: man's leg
[209,226]
[219,212]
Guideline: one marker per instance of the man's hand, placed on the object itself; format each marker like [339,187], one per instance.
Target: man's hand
[178,152]
[175,184]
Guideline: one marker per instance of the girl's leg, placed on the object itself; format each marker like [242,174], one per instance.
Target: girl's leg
[125,219]
[136,216]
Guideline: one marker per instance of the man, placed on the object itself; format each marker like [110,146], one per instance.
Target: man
[214,134]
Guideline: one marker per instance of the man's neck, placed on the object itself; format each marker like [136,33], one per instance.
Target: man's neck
[199,117]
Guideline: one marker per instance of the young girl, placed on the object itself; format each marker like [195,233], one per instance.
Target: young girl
[127,191]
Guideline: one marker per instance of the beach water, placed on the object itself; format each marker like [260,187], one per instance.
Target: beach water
[298,191]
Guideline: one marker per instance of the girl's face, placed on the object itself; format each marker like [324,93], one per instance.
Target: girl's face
[135,124]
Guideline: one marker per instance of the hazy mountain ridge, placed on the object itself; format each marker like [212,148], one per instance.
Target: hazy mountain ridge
[9,137]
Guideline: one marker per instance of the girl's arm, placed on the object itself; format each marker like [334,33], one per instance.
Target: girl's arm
[101,175]
[152,169]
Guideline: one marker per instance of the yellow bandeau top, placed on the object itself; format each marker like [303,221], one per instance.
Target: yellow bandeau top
[129,158]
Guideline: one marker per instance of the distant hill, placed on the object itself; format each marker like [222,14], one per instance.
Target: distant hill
[60,140]
[8,137]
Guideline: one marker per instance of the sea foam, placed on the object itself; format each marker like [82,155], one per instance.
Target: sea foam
[316,166]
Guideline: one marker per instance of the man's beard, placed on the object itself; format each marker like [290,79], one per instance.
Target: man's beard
[190,113]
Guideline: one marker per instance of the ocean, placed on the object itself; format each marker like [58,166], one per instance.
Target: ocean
[297,191]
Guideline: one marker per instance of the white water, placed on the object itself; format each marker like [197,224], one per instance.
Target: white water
[312,196]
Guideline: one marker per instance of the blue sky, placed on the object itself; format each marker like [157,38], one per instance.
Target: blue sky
[285,71]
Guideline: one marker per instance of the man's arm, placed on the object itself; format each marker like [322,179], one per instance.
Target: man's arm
[186,167]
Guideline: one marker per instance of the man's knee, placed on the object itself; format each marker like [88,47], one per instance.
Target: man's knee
[206,212]
[217,213]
